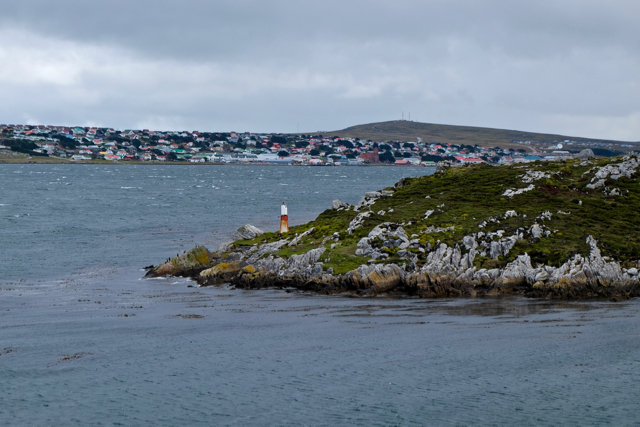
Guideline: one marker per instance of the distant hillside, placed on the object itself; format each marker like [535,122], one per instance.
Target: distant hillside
[400,130]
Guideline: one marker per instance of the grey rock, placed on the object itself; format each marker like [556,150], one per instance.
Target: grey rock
[597,184]
[223,247]
[369,198]
[337,204]
[511,192]
[234,257]
[400,183]
[517,272]
[266,249]
[585,154]
[542,276]
[357,221]
[317,269]
[306,259]
[246,232]
[441,167]
[297,239]
[545,216]
[536,231]
[534,175]
[614,171]
[495,250]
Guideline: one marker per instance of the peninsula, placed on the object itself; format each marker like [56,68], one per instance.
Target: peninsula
[568,229]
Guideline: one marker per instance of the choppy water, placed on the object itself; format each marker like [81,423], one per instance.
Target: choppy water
[85,341]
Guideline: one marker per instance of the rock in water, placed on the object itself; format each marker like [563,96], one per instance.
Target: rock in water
[246,232]
[187,264]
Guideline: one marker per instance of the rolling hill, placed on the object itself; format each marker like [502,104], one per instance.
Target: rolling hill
[402,130]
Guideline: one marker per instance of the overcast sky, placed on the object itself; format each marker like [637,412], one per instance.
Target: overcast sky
[559,66]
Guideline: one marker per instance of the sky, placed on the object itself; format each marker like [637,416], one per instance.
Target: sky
[570,67]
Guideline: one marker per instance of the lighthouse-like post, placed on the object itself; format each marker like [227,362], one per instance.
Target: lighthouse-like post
[284,219]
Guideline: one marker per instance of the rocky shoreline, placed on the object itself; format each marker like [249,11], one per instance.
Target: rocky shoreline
[381,246]
[447,273]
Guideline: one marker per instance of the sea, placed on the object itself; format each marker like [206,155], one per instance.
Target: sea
[85,340]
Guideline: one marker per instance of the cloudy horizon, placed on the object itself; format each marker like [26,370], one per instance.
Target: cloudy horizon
[566,67]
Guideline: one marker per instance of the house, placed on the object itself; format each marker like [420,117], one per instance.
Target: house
[370,157]
[469,160]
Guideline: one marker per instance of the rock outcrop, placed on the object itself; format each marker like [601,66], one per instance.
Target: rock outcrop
[187,264]
[486,247]
[246,232]
[449,271]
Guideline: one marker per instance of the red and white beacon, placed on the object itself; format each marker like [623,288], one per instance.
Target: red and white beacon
[284,219]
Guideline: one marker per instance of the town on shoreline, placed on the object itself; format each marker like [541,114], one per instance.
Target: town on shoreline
[40,143]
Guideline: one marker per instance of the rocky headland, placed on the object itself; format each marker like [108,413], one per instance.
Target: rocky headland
[545,229]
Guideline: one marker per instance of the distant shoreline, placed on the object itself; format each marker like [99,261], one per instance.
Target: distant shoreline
[156,163]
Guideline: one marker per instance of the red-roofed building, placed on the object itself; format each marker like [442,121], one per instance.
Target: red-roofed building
[371,157]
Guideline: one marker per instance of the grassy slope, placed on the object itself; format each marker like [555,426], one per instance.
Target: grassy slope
[7,156]
[408,131]
[471,195]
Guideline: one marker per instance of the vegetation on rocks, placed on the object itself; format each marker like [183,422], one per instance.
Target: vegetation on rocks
[557,229]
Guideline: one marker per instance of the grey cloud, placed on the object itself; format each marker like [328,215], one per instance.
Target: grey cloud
[269,65]
[206,30]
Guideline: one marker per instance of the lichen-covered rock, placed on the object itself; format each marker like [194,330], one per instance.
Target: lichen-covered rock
[384,278]
[220,272]
[187,264]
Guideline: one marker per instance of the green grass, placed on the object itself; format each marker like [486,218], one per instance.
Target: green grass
[463,198]
[342,259]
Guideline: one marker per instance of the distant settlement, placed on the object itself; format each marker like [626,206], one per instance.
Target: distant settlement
[85,144]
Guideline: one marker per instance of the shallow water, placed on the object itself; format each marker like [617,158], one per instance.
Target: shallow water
[85,341]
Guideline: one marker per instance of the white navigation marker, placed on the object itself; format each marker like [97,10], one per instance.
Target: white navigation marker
[284,219]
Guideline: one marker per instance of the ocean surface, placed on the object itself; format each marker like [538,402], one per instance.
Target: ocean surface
[85,340]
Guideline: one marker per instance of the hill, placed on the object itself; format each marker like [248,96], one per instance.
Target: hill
[402,130]
[558,229]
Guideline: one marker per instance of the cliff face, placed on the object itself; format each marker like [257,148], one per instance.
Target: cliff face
[566,230]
